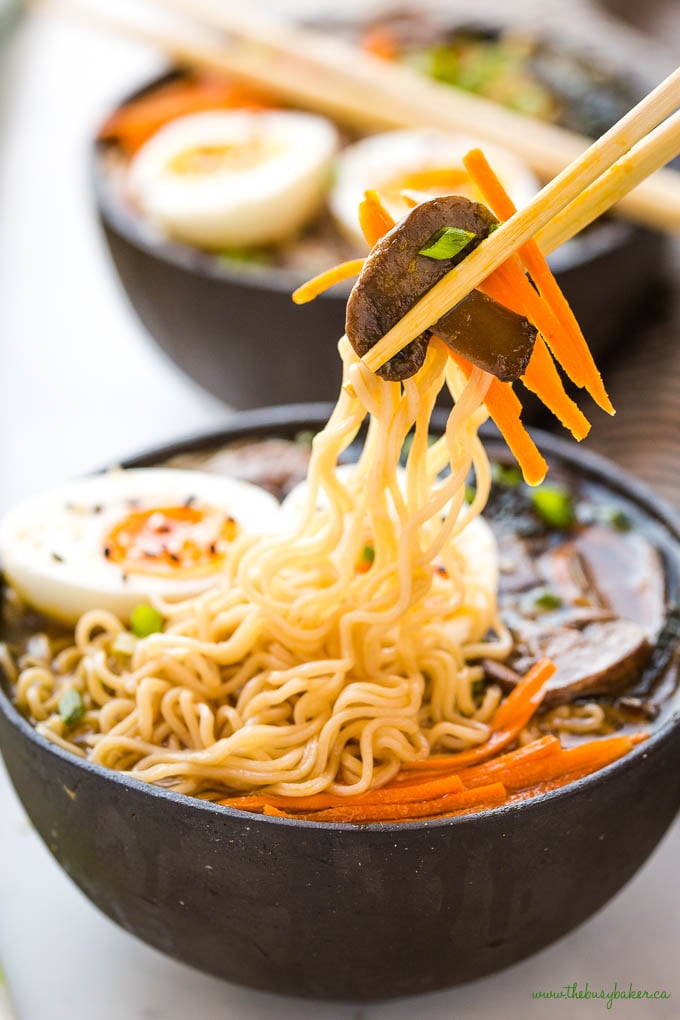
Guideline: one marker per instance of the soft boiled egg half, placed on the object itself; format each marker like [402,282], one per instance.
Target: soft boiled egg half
[423,163]
[112,541]
[234,178]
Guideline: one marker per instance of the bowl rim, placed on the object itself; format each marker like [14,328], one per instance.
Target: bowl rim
[300,417]
[602,238]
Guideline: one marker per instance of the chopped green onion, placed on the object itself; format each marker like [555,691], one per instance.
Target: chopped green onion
[446,243]
[470,493]
[548,600]
[494,227]
[367,553]
[255,257]
[304,438]
[478,688]
[620,521]
[506,475]
[71,707]
[145,620]
[554,504]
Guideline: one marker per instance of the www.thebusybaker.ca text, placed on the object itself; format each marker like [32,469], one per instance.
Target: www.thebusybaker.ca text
[609,995]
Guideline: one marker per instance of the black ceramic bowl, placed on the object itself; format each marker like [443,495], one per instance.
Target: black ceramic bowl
[237,332]
[337,911]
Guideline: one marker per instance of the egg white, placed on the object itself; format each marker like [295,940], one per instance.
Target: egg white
[51,546]
[257,203]
[374,161]
[476,544]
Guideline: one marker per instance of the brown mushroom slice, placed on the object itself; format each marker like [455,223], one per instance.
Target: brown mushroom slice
[601,658]
[395,276]
[489,335]
[619,571]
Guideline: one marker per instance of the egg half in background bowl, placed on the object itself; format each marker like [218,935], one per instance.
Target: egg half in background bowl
[215,305]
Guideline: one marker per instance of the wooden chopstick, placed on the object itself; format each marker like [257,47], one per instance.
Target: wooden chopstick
[392,94]
[332,76]
[659,147]
[528,221]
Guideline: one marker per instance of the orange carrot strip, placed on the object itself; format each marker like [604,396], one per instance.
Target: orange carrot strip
[374,219]
[494,793]
[274,812]
[318,284]
[320,801]
[515,713]
[512,763]
[541,376]
[525,698]
[574,355]
[381,41]
[543,379]
[478,775]
[505,409]
[570,764]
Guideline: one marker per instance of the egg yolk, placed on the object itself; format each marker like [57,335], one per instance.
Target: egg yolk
[433,180]
[240,156]
[170,541]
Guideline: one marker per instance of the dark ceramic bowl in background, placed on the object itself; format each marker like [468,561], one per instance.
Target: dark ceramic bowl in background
[347,912]
[236,331]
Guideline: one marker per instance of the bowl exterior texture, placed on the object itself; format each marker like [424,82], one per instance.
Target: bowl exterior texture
[349,914]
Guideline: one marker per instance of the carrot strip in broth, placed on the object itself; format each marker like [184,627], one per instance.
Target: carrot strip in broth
[494,793]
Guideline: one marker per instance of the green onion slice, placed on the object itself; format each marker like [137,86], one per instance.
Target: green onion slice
[145,620]
[71,707]
[446,243]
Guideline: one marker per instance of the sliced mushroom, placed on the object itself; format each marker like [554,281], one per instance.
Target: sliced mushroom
[609,591]
[489,335]
[618,571]
[395,277]
[601,658]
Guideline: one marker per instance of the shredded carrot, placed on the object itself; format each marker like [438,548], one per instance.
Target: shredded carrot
[505,409]
[318,284]
[569,346]
[543,379]
[135,122]
[525,698]
[381,41]
[274,812]
[494,793]
[570,764]
[511,288]
[515,713]
[321,801]
[374,219]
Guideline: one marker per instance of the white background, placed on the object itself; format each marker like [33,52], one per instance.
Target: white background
[80,385]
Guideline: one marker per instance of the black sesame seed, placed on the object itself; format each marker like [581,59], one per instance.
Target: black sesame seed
[107,551]
[56,556]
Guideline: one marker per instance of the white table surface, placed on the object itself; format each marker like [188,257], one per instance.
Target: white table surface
[80,384]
